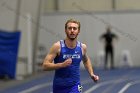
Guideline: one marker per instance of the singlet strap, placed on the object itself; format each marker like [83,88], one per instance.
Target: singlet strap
[62,43]
[79,44]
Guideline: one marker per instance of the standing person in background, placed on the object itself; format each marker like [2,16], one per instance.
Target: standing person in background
[108,38]
[65,57]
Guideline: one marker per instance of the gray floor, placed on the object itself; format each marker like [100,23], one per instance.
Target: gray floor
[120,80]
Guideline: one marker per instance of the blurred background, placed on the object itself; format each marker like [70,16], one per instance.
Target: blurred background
[40,23]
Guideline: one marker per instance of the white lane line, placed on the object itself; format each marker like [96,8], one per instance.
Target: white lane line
[102,84]
[98,85]
[35,88]
[125,88]
[128,85]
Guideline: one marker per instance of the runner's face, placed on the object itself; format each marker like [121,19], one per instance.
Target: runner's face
[72,31]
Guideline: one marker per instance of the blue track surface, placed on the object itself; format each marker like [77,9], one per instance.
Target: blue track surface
[126,80]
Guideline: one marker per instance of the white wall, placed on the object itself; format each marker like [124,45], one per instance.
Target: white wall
[127,4]
[28,7]
[90,5]
[125,25]
[8,14]
[9,22]
[52,22]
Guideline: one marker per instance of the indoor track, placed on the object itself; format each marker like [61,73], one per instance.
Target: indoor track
[126,80]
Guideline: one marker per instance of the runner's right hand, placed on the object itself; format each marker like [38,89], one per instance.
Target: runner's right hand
[67,62]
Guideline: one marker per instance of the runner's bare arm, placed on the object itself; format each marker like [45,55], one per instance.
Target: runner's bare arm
[48,63]
[87,63]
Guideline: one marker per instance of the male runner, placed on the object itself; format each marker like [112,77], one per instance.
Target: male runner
[65,57]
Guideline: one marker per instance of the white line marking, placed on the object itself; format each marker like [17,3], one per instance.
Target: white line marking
[128,85]
[102,84]
[35,88]
[98,85]
[125,88]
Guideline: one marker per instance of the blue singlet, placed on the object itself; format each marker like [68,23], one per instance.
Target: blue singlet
[67,80]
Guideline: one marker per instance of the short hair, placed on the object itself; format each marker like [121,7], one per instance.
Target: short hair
[72,21]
